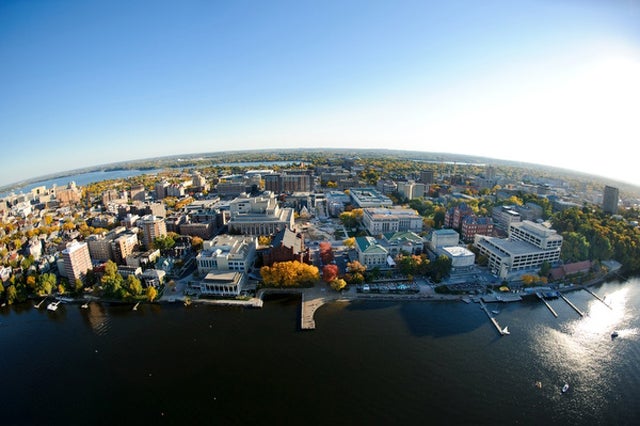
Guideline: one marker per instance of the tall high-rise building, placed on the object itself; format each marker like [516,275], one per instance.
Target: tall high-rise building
[77,261]
[138,193]
[610,199]
[426,177]
[152,228]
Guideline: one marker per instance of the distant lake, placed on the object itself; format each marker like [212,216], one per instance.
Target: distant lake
[86,178]
[82,179]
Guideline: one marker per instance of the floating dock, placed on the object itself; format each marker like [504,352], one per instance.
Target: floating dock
[541,297]
[597,297]
[502,331]
[575,308]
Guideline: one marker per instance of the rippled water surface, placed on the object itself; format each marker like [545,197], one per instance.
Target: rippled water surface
[366,363]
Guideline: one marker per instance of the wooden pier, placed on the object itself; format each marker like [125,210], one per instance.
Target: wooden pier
[575,308]
[597,297]
[541,297]
[502,331]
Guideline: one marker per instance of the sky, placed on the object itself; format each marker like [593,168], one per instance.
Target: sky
[552,82]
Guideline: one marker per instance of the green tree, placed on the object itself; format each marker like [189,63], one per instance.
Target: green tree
[12,294]
[133,285]
[45,284]
[112,281]
[164,242]
[575,247]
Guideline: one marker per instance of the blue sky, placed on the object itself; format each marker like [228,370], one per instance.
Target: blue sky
[545,81]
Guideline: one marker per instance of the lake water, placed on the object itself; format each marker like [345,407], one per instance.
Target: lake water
[392,363]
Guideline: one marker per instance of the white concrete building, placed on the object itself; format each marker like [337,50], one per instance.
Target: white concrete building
[259,215]
[227,253]
[528,246]
[371,254]
[381,220]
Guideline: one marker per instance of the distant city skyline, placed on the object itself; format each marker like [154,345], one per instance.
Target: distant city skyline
[545,82]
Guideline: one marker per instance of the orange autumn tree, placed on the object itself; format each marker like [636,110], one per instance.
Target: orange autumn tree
[329,273]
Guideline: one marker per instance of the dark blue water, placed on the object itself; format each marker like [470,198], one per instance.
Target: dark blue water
[366,363]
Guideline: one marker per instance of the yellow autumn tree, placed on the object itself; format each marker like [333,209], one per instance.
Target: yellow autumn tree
[289,274]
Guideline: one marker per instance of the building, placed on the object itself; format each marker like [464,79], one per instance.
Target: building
[123,246]
[287,245]
[368,197]
[454,216]
[284,182]
[137,193]
[382,220]
[161,189]
[69,195]
[610,198]
[77,261]
[529,245]
[372,254]
[403,241]
[227,253]
[427,177]
[504,216]
[152,228]
[443,238]
[259,215]
[460,257]
[474,225]
[412,190]
[220,284]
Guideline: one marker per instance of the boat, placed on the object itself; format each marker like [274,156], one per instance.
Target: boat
[565,388]
[614,334]
[85,306]
[495,312]
[53,306]
[506,330]
[135,307]
[539,384]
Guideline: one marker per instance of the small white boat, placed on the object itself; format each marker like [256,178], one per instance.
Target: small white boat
[495,312]
[506,330]
[85,306]
[53,306]
[565,388]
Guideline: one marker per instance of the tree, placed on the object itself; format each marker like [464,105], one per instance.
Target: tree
[441,268]
[45,284]
[12,294]
[164,242]
[152,293]
[78,285]
[355,272]
[197,243]
[329,272]
[264,240]
[112,281]
[133,285]
[575,247]
[289,274]
[338,284]
[350,242]
[326,254]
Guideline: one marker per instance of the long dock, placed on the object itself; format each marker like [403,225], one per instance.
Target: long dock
[493,320]
[541,297]
[597,297]
[575,308]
